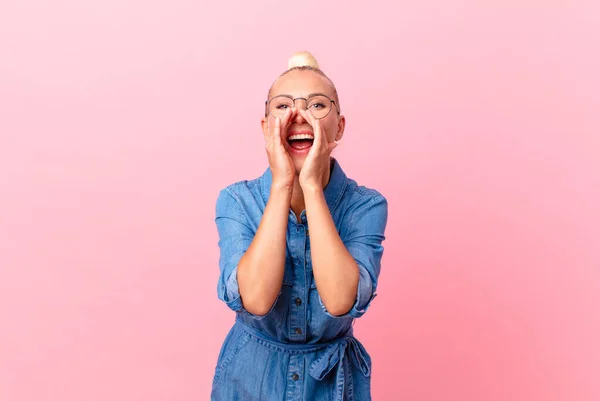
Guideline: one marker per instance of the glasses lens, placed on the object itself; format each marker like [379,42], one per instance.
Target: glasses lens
[279,104]
[319,106]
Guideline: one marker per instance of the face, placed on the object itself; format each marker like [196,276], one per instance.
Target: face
[301,84]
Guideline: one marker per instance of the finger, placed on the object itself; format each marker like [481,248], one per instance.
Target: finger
[319,134]
[284,124]
[269,132]
[276,130]
[279,137]
[288,117]
[320,142]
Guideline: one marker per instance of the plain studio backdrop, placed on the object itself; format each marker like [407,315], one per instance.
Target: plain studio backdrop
[120,120]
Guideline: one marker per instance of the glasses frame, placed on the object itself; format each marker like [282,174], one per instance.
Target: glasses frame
[306,99]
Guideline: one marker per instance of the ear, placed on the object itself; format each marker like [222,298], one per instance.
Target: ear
[340,128]
[264,122]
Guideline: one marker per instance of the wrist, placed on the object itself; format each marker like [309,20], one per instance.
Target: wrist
[282,188]
[311,187]
[310,183]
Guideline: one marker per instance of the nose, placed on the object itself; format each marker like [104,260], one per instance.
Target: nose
[298,119]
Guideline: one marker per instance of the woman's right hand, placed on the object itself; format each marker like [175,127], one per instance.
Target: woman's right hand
[280,161]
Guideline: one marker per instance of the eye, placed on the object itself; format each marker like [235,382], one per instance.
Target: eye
[317,105]
[282,106]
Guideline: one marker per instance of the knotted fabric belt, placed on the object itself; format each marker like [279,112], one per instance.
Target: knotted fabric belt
[337,356]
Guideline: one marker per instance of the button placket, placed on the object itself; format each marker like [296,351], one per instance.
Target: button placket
[295,387]
[297,310]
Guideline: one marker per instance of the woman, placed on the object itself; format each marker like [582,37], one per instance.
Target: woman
[297,293]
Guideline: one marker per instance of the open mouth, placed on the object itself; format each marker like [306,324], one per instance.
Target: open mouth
[300,141]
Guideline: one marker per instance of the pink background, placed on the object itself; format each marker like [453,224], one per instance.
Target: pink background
[121,120]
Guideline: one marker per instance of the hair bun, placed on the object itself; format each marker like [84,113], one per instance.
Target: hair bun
[302,59]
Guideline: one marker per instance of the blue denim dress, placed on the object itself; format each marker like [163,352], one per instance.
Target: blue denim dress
[298,351]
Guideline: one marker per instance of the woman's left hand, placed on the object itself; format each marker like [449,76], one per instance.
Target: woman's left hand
[316,164]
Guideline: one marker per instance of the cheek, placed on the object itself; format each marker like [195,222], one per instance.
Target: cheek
[330,128]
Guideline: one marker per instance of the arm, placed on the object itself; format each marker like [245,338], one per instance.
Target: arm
[335,270]
[252,263]
[260,270]
[347,269]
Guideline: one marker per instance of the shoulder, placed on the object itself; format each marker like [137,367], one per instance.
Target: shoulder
[364,209]
[241,189]
[361,195]
[240,193]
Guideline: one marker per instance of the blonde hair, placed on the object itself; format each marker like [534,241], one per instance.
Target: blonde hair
[305,61]
[302,59]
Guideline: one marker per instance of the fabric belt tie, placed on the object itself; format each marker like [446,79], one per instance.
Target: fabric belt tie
[336,357]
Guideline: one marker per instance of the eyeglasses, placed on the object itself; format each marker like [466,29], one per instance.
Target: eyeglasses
[319,105]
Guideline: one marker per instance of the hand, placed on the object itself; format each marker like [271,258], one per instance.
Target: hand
[316,165]
[280,161]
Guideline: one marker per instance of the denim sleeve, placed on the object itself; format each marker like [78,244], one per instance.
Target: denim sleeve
[364,238]
[235,237]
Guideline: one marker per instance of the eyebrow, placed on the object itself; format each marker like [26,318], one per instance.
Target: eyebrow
[310,95]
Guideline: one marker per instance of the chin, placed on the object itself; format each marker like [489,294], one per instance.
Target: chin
[298,165]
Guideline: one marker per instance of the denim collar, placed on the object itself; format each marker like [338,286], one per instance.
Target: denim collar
[333,191]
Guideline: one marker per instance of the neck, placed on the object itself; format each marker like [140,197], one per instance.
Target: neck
[297,203]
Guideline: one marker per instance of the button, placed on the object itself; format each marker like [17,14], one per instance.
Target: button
[295,377]
[298,330]
[298,301]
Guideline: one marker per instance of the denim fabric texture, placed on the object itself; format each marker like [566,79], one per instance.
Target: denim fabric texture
[298,351]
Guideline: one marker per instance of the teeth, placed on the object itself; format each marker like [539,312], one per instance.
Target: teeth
[300,136]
